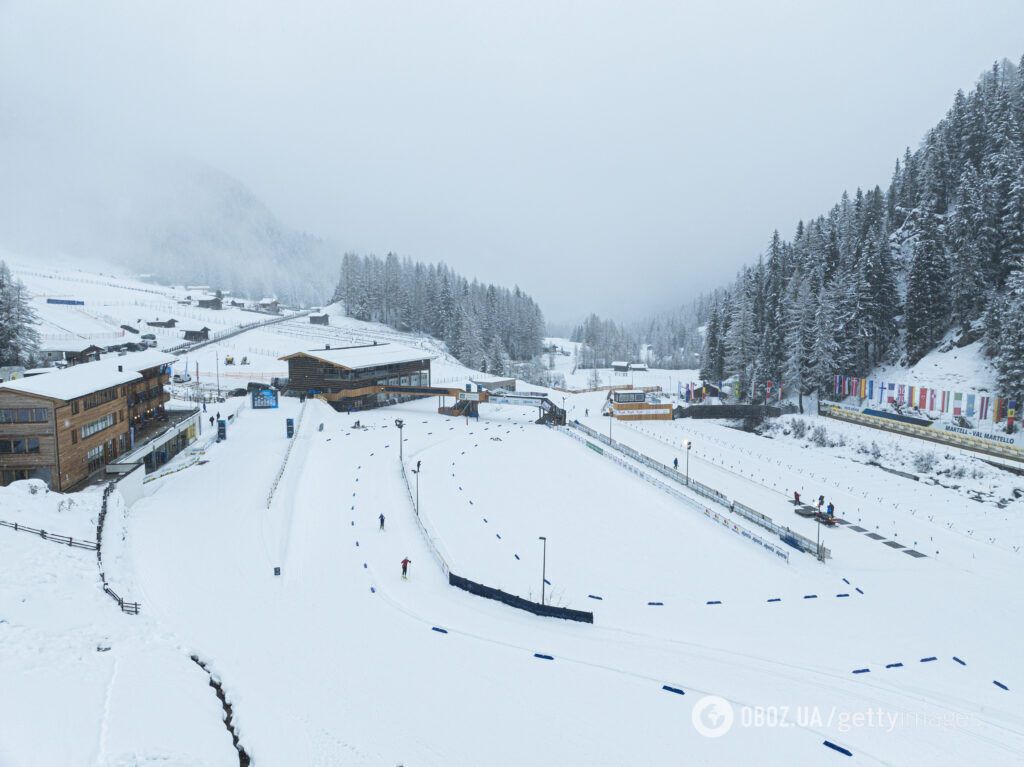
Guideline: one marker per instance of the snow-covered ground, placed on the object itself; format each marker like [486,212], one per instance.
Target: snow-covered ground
[338,660]
[583,378]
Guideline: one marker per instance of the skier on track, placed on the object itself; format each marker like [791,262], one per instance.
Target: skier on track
[831,509]
[381,518]
[405,568]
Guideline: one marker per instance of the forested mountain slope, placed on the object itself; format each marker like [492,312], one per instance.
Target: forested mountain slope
[885,275]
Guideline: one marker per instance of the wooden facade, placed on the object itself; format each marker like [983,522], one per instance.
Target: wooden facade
[71,446]
[308,374]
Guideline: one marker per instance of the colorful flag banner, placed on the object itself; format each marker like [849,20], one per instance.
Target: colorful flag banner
[970,406]
[871,389]
[902,392]
[958,399]
[890,397]
[923,399]
[983,408]
[863,388]
[1011,412]
[911,399]
[836,392]
[944,404]
[931,399]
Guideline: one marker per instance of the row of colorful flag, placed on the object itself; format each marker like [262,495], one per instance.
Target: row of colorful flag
[969,405]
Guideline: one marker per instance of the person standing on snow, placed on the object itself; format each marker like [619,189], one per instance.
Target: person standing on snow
[675,463]
[405,568]
[381,518]
[831,509]
[821,502]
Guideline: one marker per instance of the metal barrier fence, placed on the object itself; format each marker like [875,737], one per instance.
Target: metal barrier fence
[714,516]
[287,455]
[790,537]
[432,544]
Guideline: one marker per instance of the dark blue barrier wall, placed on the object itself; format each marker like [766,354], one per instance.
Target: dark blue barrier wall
[729,411]
[523,604]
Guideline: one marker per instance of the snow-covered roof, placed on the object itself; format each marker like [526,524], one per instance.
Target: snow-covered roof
[620,364]
[638,365]
[79,380]
[75,381]
[78,346]
[139,361]
[354,357]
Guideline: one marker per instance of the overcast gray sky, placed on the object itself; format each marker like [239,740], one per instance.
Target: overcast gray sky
[616,157]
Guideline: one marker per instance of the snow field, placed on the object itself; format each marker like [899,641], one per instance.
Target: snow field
[362,673]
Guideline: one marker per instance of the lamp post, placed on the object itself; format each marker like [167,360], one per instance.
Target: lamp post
[689,446]
[544,568]
[400,423]
[416,471]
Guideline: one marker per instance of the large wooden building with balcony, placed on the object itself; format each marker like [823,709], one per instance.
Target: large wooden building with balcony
[356,373]
[63,427]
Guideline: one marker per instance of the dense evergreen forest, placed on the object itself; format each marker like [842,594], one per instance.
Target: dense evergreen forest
[485,327]
[889,275]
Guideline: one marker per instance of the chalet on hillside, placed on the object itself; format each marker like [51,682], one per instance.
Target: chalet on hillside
[319,319]
[203,334]
[71,353]
[162,323]
[210,302]
[269,305]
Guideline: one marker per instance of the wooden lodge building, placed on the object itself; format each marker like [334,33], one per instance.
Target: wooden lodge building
[64,426]
[355,372]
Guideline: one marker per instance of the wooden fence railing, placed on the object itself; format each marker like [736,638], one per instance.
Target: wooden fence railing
[66,540]
[132,608]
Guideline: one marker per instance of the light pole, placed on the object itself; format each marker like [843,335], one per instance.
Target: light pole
[416,471]
[689,446]
[544,568]
[400,423]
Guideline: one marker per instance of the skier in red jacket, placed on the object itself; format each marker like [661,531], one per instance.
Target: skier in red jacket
[405,567]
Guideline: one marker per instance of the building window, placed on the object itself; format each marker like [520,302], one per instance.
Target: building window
[98,398]
[96,426]
[24,415]
[95,456]
[13,475]
[19,446]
